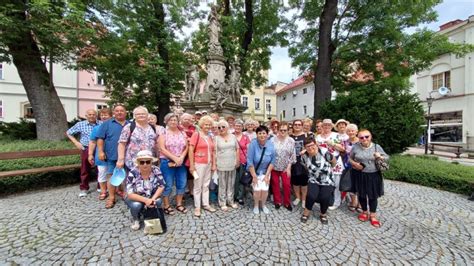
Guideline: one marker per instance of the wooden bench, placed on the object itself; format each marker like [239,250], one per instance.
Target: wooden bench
[37,154]
[456,147]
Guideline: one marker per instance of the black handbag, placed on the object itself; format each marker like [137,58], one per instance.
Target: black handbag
[246,178]
[155,213]
[345,184]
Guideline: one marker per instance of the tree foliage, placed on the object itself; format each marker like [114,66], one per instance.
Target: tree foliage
[367,37]
[390,112]
[249,29]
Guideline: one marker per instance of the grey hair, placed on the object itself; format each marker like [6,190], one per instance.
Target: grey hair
[239,122]
[141,107]
[353,127]
[169,116]
[222,122]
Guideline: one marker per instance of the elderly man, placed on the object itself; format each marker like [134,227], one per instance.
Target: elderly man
[84,129]
[107,143]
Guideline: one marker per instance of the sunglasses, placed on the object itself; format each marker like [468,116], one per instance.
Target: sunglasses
[364,137]
[145,162]
[222,127]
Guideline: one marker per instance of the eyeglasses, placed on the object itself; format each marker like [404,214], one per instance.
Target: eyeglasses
[297,125]
[283,130]
[145,162]
[364,137]
[221,127]
[310,146]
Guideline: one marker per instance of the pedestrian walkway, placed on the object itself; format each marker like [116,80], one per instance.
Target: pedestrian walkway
[442,155]
[420,225]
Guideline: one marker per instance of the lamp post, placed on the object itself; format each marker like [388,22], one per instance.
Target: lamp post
[429,101]
[443,91]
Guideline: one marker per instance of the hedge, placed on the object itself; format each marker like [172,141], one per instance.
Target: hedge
[430,172]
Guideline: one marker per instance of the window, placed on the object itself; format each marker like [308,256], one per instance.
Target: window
[446,127]
[1,70]
[100,79]
[100,106]
[284,97]
[27,110]
[257,103]
[283,114]
[442,80]
[245,101]
[268,104]
[1,108]
[305,110]
[294,111]
[305,90]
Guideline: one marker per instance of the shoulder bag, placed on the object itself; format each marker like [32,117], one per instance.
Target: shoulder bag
[246,178]
[380,163]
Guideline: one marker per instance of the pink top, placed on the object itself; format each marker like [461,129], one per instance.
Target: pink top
[203,148]
[175,142]
[243,145]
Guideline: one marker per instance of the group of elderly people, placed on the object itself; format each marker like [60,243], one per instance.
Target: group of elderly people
[197,150]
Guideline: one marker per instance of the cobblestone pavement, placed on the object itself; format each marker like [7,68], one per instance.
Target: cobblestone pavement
[419,226]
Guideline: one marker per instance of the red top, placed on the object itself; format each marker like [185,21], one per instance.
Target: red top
[203,148]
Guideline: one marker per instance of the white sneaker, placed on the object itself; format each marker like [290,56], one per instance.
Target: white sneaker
[83,194]
[296,202]
[265,210]
[256,210]
[332,208]
[135,225]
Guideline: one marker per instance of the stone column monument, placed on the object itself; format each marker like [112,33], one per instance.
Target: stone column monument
[219,95]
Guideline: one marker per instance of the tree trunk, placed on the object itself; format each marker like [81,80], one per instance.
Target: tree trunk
[248,35]
[326,48]
[51,121]
[162,98]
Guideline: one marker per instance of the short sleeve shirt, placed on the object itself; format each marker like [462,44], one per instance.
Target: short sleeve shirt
[255,152]
[94,132]
[141,139]
[203,148]
[84,128]
[110,132]
[146,188]
[226,153]
[174,143]
[285,153]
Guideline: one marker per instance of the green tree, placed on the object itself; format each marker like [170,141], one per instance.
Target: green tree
[140,56]
[33,33]
[335,39]
[390,112]
[249,29]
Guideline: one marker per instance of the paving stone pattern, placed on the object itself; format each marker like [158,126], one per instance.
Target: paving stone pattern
[420,226]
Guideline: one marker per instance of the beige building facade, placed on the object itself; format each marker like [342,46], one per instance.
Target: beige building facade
[261,104]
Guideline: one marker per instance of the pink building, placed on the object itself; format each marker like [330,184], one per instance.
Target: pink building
[90,92]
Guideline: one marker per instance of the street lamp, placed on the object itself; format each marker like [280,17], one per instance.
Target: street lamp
[443,91]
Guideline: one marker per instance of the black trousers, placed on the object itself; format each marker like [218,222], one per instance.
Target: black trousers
[324,195]
[372,204]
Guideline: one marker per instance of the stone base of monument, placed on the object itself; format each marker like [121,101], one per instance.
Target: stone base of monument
[227,109]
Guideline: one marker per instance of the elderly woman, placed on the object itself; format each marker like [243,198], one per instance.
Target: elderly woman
[186,125]
[135,137]
[227,159]
[274,125]
[307,124]
[173,145]
[144,187]
[368,180]
[250,126]
[202,163]
[243,141]
[299,179]
[351,131]
[319,127]
[330,140]
[260,161]
[321,181]
[284,158]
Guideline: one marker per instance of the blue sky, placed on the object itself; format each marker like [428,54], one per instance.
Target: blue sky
[448,10]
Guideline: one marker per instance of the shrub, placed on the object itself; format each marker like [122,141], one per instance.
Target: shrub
[23,130]
[432,173]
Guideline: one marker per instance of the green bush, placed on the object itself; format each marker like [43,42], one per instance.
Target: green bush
[432,173]
[16,184]
[23,130]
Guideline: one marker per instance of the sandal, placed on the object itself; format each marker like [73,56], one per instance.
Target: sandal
[168,210]
[103,196]
[374,222]
[181,209]
[197,212]
[121,194]
[363,217]
[323,219]
[209,208]
[304,218]
[351,208]
[110,204]
[359,210]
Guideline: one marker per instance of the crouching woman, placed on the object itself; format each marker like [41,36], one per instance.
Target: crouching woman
[319,164]
[145,185]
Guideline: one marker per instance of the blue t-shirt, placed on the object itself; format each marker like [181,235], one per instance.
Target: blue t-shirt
[94,138]
[110,131]
[255,152]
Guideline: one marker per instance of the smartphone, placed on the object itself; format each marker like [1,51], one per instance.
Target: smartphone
[363,165]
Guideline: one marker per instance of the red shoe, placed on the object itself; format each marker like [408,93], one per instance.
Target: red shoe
[374,222]
[121,194]
[363,217]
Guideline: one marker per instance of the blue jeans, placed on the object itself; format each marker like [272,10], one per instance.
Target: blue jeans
[136,207]
[173,175]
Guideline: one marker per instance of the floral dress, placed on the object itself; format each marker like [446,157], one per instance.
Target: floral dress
[141,139]
[146,188]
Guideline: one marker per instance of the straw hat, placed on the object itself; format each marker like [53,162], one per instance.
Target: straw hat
[341,121]
[328,121]
[145,154]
